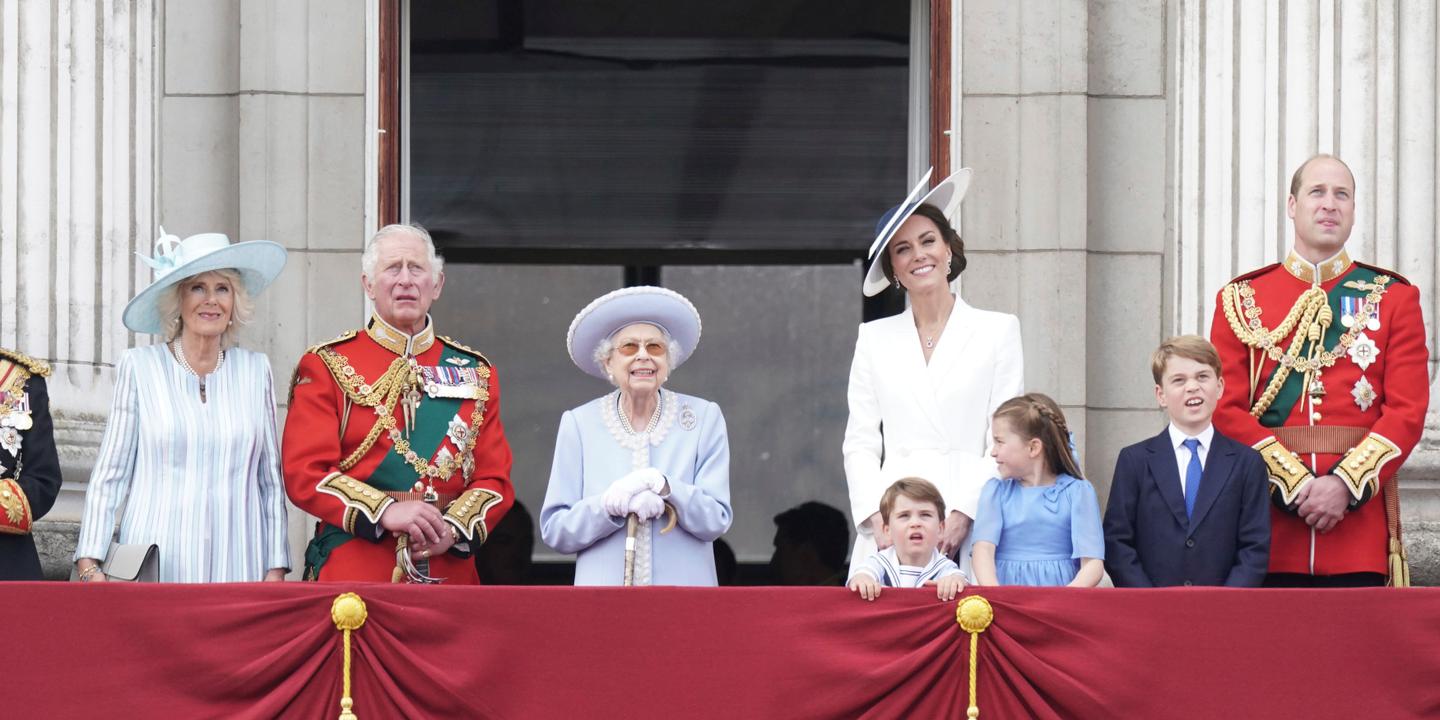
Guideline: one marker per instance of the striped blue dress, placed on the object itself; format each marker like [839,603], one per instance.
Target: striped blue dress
[200,480]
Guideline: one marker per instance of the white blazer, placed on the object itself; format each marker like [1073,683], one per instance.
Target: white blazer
[936,417]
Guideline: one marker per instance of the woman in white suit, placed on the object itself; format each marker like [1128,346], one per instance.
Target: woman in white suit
[924,383]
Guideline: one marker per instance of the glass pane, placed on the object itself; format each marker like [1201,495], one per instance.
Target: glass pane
[775,355]
[663,124]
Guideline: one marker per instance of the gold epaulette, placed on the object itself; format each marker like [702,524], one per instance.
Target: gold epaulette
[466,348]
[35,367]
[342,337]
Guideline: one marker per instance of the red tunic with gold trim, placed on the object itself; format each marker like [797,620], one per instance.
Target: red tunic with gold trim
[1325,371]
[377,417]
[29,464]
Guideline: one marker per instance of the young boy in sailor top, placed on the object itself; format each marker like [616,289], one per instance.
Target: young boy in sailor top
[914,515]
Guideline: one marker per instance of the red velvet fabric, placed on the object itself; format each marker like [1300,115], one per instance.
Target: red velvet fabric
[260,651]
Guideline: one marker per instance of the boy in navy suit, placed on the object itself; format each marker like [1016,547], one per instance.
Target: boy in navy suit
[1188,506]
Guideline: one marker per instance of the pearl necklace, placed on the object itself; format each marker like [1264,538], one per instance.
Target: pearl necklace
[625,419]
[179,349]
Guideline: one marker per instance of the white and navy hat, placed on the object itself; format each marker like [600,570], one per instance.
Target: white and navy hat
[258,262]
[614,311]
[947,194]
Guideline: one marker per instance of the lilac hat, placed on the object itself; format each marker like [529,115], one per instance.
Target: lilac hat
[613,311]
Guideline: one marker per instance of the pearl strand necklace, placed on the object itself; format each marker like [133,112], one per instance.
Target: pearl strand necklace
[625,419]
[179,350]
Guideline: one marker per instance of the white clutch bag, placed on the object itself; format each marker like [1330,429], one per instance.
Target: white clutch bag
[129,563]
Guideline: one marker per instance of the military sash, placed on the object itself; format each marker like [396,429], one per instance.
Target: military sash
[1344,300]
[395,473]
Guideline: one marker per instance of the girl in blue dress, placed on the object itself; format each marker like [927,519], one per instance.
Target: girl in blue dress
[1038,523]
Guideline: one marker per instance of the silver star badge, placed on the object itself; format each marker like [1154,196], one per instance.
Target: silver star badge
[459,432]
[443,456]
[10,440]
[1364,351]
[1364,393]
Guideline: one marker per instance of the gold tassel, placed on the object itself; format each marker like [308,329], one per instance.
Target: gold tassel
[974,615]
[348,613]
[1399,565]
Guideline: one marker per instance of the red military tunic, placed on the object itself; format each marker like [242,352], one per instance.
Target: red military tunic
[377,417]
[1358,395]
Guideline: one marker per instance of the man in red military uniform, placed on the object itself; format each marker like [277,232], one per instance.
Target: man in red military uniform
[394,439]
[1326,375]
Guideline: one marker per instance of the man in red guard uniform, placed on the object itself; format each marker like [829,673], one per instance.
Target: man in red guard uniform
[394,439]
[1325,374]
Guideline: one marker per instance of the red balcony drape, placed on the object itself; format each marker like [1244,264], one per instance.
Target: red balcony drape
[260,651]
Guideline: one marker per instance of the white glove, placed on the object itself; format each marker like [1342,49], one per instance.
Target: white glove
[646,505]
[616,498]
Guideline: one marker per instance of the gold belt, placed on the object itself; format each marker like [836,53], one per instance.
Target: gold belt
[445,498]
[1320,439]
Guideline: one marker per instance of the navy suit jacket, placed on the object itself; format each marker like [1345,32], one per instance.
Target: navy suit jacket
[1149,542]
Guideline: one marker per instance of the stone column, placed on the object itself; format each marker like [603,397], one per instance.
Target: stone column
[77,147]
[1022,80]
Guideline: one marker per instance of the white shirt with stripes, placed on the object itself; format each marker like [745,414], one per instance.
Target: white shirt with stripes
[200,480]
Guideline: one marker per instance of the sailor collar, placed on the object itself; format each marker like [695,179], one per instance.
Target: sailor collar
[401,344]
[1321,272]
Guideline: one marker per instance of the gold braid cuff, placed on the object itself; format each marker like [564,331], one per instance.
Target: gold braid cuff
[467,513]
[357,496]
[1360,468]
[15,517]
[1287,473]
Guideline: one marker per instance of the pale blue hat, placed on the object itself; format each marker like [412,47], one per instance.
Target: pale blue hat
[613,311]
[951,190]
[257,261]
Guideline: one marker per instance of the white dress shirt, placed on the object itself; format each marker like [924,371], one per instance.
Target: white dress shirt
[1182,453]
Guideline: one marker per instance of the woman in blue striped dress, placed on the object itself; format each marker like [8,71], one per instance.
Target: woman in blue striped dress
[190,451]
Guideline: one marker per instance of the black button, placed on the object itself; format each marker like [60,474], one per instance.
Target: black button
[1187,583]
[1190,542]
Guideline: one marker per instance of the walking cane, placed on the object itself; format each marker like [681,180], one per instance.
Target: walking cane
[632,525]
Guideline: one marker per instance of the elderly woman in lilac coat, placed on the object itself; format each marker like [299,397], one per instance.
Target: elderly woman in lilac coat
[640,449]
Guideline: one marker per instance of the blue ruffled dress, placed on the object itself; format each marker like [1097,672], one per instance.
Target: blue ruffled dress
[1040,533]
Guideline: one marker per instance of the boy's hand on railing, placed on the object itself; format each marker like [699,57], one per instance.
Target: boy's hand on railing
[867,586]
[947,587]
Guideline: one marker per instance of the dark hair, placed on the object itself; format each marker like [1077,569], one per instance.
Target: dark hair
[1035,415]
[820,525]
[952,239]
[917,489]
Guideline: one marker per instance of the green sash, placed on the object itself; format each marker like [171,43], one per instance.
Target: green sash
[432,423]
[1294,387]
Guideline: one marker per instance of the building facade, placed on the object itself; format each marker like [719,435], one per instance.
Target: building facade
[1130,158]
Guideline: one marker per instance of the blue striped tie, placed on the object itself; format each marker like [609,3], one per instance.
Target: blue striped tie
[1192,476]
